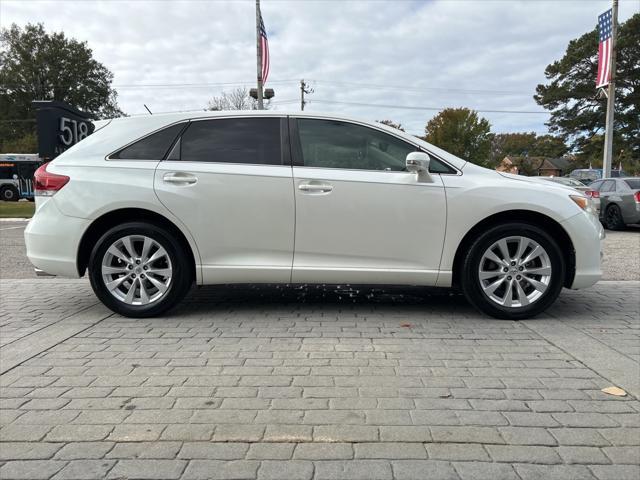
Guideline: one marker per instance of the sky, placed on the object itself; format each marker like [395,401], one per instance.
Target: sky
[488,55]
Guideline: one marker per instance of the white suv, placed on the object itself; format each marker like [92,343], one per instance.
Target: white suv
[150,205]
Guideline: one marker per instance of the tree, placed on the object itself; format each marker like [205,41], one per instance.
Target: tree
[391,123]
[36,65]
[549,146]
[237,99]
[526,144]
[461,132]
[578,112]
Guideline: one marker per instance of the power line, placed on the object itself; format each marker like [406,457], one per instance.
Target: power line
[409,107]
[422,89]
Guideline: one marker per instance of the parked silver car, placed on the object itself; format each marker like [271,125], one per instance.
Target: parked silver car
[619,201]
[593,195]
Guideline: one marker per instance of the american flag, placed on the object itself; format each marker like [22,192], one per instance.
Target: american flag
[264,51]
[605,25]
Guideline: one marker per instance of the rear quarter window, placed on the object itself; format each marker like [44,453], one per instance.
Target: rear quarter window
[152,147]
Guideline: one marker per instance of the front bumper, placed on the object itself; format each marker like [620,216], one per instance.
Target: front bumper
[52,240]
[587,234]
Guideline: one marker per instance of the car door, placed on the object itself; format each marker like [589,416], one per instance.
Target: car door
[360,216]
[229,180]
[606,189]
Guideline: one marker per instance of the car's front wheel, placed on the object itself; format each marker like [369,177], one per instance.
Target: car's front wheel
[513,271]
[139,270]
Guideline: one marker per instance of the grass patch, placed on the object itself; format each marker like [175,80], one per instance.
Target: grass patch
[21,209]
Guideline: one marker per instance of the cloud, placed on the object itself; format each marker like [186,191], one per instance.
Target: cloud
[404,53]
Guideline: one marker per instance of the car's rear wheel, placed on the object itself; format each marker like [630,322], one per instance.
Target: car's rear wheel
[613,218]
[513,271]
[139,270]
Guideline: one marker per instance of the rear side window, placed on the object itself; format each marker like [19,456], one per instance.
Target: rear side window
[633,184]
[608,186]
[152,147]
[233,140]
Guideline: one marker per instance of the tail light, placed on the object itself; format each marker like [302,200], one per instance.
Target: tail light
[592,193]
[636,196]
[47,183]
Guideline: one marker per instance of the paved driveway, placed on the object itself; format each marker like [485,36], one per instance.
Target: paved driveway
[323,383]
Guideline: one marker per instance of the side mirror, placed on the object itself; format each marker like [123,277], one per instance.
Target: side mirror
[418,162]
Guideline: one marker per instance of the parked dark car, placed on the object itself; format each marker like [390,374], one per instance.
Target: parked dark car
[589,175]
[619,201]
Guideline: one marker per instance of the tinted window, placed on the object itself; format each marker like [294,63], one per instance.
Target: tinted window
[7,170]
[153,147]
[335,144]
[633,184]
[233,140]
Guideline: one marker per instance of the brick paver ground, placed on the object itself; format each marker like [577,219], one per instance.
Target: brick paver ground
[314,383]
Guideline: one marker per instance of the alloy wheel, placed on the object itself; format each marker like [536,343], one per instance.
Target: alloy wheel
[515,272]
[137,270]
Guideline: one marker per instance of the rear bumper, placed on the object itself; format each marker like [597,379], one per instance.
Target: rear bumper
[586,233]
[52,240]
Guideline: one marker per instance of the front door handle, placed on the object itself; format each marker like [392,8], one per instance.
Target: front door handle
[315,187]
[179,178]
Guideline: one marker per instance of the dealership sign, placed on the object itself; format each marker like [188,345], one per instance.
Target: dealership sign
[60,126]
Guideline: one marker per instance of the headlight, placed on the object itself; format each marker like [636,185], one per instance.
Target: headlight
[581,201]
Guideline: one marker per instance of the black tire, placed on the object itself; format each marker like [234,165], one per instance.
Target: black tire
[181,278]
[613,218]
[471,285]
[9,194]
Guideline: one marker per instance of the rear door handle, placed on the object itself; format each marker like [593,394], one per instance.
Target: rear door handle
[315,187]
[179,178]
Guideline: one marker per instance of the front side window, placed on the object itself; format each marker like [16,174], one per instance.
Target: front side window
[336,144]
[152,147]
[233,140]
[633,184]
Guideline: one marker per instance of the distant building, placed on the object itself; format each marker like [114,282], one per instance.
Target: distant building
[535,166]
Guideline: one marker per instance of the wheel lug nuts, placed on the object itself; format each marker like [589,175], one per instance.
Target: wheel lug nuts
[518,277]
[521,268]
[133,276]
[509,277]
[505,269]
[513,263]
[145,267]
[137,262]
[142,276]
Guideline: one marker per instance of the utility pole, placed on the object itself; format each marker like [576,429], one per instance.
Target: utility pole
[611,99]
[259,56]
[304,88]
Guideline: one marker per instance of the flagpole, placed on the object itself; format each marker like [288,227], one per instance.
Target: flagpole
[611,99]
[259,56]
